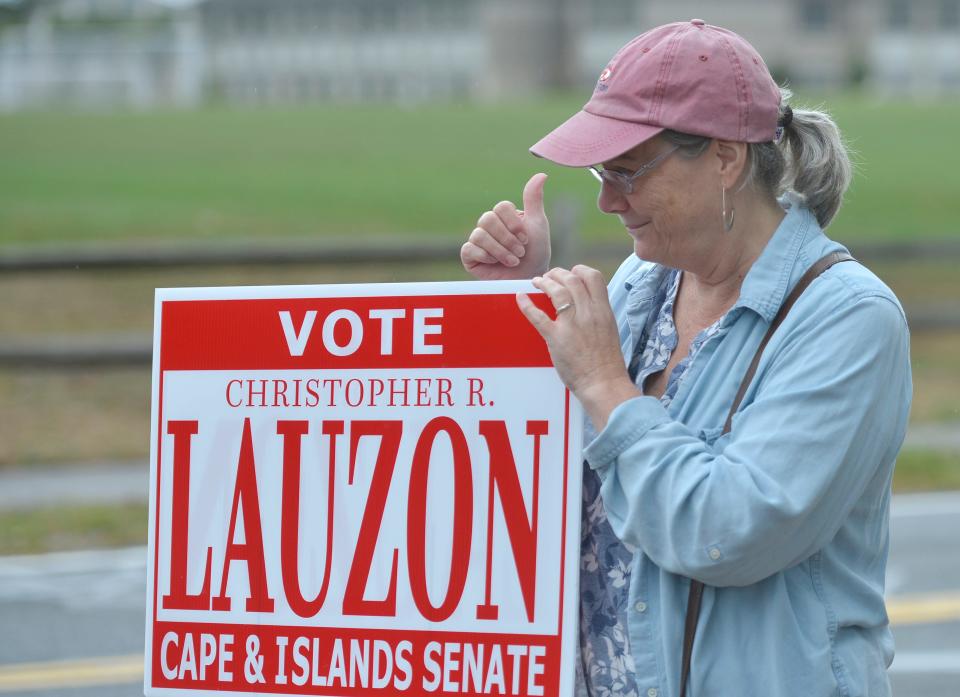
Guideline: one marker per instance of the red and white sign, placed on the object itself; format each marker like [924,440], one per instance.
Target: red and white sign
[360,490]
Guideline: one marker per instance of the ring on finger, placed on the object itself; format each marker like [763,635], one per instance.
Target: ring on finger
[565,306]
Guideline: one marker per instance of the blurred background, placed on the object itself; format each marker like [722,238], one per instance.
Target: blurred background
[162,143]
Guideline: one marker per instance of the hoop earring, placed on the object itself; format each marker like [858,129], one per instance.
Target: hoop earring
[727,223]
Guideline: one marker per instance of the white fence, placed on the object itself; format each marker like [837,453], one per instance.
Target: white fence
[148,53]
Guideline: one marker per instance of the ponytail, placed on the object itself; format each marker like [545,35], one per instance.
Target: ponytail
[809,159]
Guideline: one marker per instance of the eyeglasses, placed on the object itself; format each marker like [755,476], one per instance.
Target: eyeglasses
[621,182]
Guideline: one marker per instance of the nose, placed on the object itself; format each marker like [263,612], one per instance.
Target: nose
[611,201]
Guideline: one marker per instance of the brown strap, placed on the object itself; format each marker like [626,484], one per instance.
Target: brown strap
[818,268]
[696,587]
[690,631]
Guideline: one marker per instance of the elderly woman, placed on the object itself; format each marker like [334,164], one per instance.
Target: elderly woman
[747,383]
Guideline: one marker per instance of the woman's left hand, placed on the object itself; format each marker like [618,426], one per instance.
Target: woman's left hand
[583,340]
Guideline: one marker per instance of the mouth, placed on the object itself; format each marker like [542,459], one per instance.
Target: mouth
[636,228]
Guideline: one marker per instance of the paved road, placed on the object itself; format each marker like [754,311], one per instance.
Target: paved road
[934,436]
[37,486]
[925,563]
[87,609]
[71,606]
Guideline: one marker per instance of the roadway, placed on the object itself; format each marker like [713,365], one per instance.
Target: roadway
[73,624]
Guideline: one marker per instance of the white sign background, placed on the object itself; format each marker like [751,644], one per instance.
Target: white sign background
[220,400]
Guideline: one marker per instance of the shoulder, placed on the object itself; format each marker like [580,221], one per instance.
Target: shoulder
[846,332]
[851,285]
[848,313]
[846,288]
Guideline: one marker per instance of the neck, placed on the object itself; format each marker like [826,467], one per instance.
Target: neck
[715,285]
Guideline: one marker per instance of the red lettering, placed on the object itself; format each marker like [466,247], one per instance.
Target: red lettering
[522,532]
[251,550]
[476,393]
[443,393]
[376,389]
[280,392]
[331,383]
[353,600]
[293,432]
[357,387]
[462,519]
[179,599]
[423,399]
[261,393]
[230,384]
[313,397]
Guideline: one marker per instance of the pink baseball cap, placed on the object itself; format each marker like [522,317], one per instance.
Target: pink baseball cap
[690,77]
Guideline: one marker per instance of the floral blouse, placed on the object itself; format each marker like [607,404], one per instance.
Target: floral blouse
[606,668]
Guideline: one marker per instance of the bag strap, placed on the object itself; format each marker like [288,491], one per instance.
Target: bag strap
[696,587]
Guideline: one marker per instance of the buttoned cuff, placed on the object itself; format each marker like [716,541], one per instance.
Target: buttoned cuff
[628,423]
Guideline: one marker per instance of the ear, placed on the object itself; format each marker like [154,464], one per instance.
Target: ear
[731,161]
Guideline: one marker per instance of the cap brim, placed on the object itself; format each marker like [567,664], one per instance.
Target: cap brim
[588,139]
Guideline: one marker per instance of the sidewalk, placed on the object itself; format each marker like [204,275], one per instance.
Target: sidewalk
[934,436]
[88,484]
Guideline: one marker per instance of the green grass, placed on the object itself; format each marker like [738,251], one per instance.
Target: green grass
[263,172]
[906,176]
[936,377]
[923,470]
[375,170]
[67,528]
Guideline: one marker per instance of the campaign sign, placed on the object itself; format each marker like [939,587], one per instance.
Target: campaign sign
[360,490]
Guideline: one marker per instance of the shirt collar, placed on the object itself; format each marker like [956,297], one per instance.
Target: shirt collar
[770,277]
[642,286]
[645,280]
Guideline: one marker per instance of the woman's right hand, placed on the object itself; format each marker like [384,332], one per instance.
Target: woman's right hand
[508,243]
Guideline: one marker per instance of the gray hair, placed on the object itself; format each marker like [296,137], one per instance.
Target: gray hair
[810,160]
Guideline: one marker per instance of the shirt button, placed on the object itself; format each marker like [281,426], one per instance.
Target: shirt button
[714,553]
[652,692]
[641,606]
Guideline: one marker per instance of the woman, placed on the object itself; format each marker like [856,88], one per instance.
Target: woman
[782,509]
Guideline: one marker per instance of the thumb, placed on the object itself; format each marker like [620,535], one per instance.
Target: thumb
[533,195]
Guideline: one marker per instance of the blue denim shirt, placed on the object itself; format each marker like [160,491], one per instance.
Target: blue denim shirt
[607,668]
[785,518]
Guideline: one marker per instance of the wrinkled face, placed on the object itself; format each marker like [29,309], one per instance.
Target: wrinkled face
[673,213]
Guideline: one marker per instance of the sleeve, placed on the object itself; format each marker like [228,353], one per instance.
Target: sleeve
[829,409]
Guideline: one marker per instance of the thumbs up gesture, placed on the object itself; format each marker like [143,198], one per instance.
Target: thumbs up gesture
[509,243]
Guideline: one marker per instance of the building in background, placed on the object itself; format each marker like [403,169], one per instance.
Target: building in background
[93,53]
[901,47]
[182,53]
